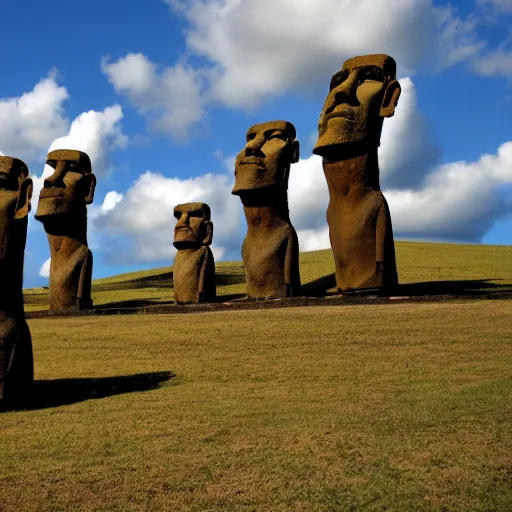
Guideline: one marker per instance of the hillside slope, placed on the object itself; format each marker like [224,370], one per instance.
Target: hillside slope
[439,268]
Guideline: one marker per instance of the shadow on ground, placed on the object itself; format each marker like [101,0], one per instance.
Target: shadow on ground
[53,393]
[464,287]
[323,287]
[134,303]
[163,280]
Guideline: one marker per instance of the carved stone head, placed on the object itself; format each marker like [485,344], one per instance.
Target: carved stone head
[194,227]
[15,195]
[70,187]
[361,95]
[266,158]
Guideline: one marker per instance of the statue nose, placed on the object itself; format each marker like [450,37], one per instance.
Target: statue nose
[57,178]
[253,147]
[343,93]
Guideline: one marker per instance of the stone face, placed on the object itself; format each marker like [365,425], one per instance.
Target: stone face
[16,362]
[63,212]
[361,95]
[270,250]
[194,266]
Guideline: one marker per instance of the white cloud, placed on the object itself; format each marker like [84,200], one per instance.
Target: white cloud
[144,222]
[500,6]
[457,39]
[267,47]
[460,201]
[95,133]
[457,201]
[28,123]
[172,94]
[250,51]
[407,151]
[314,239]
[307,194]
[44,271]
[497,63]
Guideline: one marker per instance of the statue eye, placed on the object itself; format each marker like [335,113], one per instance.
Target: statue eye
[371,74]
[73,166]
[276,135]
[250,136]
[338,78]
[177,215]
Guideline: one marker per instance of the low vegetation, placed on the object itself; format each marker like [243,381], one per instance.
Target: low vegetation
[400,407]
[440,268]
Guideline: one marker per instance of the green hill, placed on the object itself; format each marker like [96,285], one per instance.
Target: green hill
[404,406]
[442,268]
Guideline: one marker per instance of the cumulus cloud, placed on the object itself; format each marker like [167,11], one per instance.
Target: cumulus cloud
[407,151]
[455,202]
[95,133]
[460,201]
[497,63]
[299,44]
[142,221]
[500,6]
[172,95]
[28,123]
[250,51]
[44,271]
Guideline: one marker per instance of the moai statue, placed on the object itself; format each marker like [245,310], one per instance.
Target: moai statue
[62,210]
[16,363]
[361,95]
[271,248]
[194,266]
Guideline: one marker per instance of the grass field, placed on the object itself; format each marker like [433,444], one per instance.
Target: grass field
[441,268]
[403,407]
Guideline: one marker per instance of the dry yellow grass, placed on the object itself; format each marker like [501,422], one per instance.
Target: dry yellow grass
[452,268]
[400,407]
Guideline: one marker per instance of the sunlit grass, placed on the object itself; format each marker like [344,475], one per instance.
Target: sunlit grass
[401,407]
[475,267]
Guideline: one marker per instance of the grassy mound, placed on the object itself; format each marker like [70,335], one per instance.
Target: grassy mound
[439,268]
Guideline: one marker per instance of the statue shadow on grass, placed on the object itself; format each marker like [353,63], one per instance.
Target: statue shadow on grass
[323,287]
[57,392]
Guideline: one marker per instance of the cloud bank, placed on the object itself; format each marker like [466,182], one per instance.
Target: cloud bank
[250,51]
[458,201]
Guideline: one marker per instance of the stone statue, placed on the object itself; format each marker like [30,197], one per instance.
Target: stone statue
[271,248]
[194,266]
[16,363]
[361,95]
[63,212]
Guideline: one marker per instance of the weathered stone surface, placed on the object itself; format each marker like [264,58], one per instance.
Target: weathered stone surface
[270,250]
[194,266]
[62,210]
[361,95]
[16,362]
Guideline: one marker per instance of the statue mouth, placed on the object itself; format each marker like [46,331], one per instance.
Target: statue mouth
[252,161]
[342,111]
[47,193]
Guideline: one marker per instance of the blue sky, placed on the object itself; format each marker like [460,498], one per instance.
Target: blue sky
[160,94]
